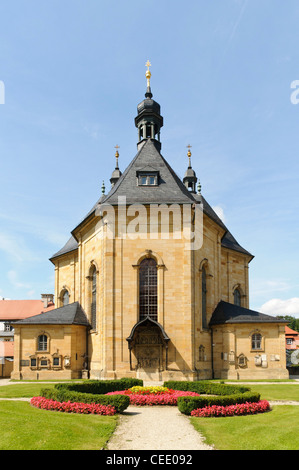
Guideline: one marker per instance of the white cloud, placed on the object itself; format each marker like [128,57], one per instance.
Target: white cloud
[14,247]
[37,225]
[276,307]
[13,278]
[267,286]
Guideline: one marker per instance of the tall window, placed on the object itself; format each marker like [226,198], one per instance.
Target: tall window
[65,298]
[148,296]
[256,341]
[237,297]
[42,343]
[204,298]
[94,298]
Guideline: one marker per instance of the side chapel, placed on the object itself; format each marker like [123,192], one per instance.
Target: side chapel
[145,303]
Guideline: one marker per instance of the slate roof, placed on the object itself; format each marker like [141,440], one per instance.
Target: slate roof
[229,313]
[71,314]
[70,245]
[170,190]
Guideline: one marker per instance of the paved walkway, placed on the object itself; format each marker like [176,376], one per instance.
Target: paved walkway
[155,428]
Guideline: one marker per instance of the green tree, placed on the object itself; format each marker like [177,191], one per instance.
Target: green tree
[293,322]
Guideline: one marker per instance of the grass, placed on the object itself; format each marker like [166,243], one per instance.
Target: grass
[275,430]
[24,427]
[26,390]
[276,391]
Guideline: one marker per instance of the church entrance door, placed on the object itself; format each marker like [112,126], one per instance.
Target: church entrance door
[148,345]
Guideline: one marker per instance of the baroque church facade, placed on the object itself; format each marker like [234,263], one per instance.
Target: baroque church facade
[151,284]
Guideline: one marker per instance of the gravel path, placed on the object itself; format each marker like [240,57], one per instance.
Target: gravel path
[155,428]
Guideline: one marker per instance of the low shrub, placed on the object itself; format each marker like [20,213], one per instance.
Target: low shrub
[119,402]
[187,404]
[100,387]
[206,387]
[232,410]
[69,407]
[215,394]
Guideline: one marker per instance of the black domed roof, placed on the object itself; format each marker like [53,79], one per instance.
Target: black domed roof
[149,104]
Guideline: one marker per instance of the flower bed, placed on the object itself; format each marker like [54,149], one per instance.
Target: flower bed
[141,396]
[69,407]
[232,410]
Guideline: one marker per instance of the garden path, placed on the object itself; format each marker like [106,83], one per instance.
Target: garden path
[155,428]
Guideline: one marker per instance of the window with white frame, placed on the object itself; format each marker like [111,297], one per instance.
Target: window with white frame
[256,341]
[42,343]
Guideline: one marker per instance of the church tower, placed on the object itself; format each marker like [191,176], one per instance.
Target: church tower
[144,300]
[148,120]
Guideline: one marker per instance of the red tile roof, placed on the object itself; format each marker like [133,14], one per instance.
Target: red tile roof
[20,309]
[288,331]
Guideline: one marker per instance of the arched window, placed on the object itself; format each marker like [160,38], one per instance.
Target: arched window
[42,343]
[148,297]
[204,298]
[65,297]
[256,341]
[93,308]
[237,297]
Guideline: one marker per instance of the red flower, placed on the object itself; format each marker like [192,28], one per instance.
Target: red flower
[69,407]
[231,410]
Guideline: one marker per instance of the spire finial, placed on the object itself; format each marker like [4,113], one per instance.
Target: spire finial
[103,187]
[148,73]
[116,155]
[189,154]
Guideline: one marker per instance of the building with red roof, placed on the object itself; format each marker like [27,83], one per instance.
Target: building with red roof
[10,312]
[292,338]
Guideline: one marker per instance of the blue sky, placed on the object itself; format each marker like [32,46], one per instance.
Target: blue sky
[221,70]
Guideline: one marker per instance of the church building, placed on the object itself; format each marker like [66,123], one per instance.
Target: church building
[151,284]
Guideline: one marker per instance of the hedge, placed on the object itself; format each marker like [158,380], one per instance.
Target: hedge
[93,391]
[100,386]
[209,388]
[120,402]
[226,395]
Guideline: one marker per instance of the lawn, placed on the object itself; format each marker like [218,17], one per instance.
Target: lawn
[275,430]
[276,391]
[20,390]
[24,427]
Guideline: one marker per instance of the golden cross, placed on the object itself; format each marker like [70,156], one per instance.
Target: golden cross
[148,73]
[116,153]
[189,153]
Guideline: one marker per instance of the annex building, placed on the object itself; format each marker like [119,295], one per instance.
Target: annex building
[151,284]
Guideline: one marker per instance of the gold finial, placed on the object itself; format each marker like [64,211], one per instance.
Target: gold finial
[116,156]
[189,154]
[116,153]
[148,73]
